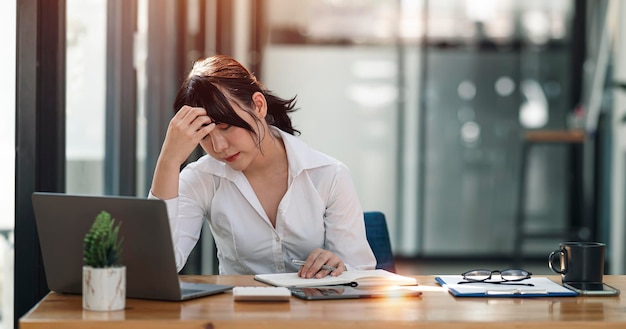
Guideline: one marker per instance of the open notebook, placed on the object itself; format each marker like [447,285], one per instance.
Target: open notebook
[352,278]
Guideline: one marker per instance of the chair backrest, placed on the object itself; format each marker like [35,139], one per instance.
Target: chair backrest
[378,238]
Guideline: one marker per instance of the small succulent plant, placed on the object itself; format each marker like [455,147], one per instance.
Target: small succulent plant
[102,244]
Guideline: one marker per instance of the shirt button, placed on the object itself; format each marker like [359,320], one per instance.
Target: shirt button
[277,239]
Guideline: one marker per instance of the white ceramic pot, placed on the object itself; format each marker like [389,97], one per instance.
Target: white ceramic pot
[104,289]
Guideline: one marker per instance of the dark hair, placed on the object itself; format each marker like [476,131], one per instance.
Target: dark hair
[216,80]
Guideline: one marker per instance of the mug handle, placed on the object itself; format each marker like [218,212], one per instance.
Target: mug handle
[551,259]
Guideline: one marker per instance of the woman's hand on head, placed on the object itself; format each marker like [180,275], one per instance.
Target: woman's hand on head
[185,131]
[316,260]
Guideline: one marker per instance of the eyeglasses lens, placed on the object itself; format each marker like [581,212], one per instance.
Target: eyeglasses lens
[477,275]
[514,275]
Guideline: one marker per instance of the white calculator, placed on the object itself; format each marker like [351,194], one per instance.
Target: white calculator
[261,293]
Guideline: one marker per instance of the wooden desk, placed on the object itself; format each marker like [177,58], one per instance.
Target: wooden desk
[435,309]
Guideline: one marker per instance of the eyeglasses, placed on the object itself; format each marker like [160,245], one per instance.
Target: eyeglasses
[509,275]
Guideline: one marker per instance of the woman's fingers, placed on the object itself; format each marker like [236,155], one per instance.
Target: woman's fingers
[321,263]
[192,121]
[186,129]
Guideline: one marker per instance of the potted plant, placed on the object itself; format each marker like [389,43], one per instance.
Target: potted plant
[104,279]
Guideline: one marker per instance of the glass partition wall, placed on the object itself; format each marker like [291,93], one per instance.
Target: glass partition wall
[85,96]
[105,119]
[426,102]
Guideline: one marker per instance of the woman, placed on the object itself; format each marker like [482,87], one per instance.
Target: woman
[267,196]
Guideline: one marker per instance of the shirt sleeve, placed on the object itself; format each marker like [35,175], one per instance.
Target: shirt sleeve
[186,215]
[345,226]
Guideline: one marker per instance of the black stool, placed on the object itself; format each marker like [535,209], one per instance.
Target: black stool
[576,139]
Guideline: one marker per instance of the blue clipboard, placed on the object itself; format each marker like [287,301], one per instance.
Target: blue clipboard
[533,287]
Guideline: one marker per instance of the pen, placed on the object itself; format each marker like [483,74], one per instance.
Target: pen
[517,292]
[301,262]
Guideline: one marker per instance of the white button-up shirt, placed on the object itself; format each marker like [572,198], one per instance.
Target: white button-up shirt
[320,209]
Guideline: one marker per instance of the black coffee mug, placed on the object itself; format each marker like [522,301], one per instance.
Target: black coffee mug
[578,261]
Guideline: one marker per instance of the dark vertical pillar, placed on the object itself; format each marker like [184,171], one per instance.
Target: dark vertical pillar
[163,77]
[121,99]
[258,34]
[224,24]
[40,135]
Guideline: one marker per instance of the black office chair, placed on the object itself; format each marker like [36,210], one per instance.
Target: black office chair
[378,238]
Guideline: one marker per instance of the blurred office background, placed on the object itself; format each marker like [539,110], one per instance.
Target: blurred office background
[427,102]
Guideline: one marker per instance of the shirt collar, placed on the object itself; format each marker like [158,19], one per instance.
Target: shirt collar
[300,155]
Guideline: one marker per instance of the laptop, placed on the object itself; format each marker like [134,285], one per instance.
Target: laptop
[147,252]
